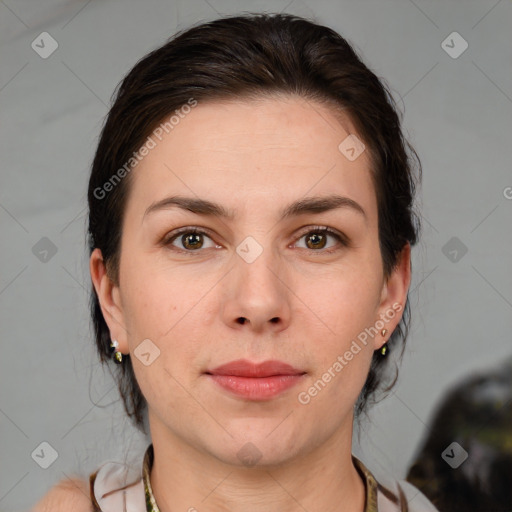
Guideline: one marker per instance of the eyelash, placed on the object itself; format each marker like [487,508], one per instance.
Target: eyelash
[342,239]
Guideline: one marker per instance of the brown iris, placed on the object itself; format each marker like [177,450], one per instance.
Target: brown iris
[192,241]
[318,241]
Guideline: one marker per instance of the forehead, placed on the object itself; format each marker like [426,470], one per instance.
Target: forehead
[279,147]
[248,126]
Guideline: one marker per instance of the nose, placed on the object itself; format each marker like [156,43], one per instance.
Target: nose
[256,295]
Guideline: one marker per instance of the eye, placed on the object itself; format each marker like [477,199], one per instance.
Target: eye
[191,239]
[316,238]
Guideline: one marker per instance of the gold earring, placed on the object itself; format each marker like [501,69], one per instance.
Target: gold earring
[384,348]
[118,356]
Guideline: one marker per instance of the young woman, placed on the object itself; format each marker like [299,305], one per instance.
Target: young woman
[250,225]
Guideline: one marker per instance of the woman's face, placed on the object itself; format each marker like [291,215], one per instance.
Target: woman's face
[307,298]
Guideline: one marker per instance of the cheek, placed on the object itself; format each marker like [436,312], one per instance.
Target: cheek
[345,299]
[166,306]
[157,298]
[162,308]
[341,348]
[344,303]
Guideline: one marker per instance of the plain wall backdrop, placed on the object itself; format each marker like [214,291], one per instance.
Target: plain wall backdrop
[457,105]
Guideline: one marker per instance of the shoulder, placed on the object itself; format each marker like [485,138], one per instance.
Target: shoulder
[402,497]
[387,494]
[70,494]
[415,500]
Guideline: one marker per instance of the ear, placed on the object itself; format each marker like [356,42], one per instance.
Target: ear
[394,295]
[110,300]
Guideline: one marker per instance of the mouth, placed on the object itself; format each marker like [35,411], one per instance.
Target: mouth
[255,381]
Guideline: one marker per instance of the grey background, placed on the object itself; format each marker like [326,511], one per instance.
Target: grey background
[457,114]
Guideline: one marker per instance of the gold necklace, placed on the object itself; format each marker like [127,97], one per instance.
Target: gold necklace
[151,505]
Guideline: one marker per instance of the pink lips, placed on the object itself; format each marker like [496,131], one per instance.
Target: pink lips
[256,381]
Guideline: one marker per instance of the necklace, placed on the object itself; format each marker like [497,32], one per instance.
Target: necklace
[151,505]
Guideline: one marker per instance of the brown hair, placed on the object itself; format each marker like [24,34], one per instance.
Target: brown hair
[239,57]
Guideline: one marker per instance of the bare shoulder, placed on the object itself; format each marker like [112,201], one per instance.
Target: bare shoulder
[70,494]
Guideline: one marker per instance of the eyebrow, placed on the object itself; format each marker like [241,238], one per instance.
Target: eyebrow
[316,204]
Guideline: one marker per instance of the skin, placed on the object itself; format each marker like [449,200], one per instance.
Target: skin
[70,494]
[255,158]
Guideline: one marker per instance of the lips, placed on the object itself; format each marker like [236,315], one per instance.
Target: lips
[244,368]
[255,381]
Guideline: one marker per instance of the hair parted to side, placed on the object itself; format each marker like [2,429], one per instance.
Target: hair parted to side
[249,57]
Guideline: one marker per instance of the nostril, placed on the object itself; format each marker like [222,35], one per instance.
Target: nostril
[241,320]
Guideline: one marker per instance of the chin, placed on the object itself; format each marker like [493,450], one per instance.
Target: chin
[256,446]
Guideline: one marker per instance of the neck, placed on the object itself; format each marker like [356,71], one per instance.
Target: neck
[184,478]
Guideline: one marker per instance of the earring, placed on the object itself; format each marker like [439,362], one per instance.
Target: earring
[118,356]
[384,348]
